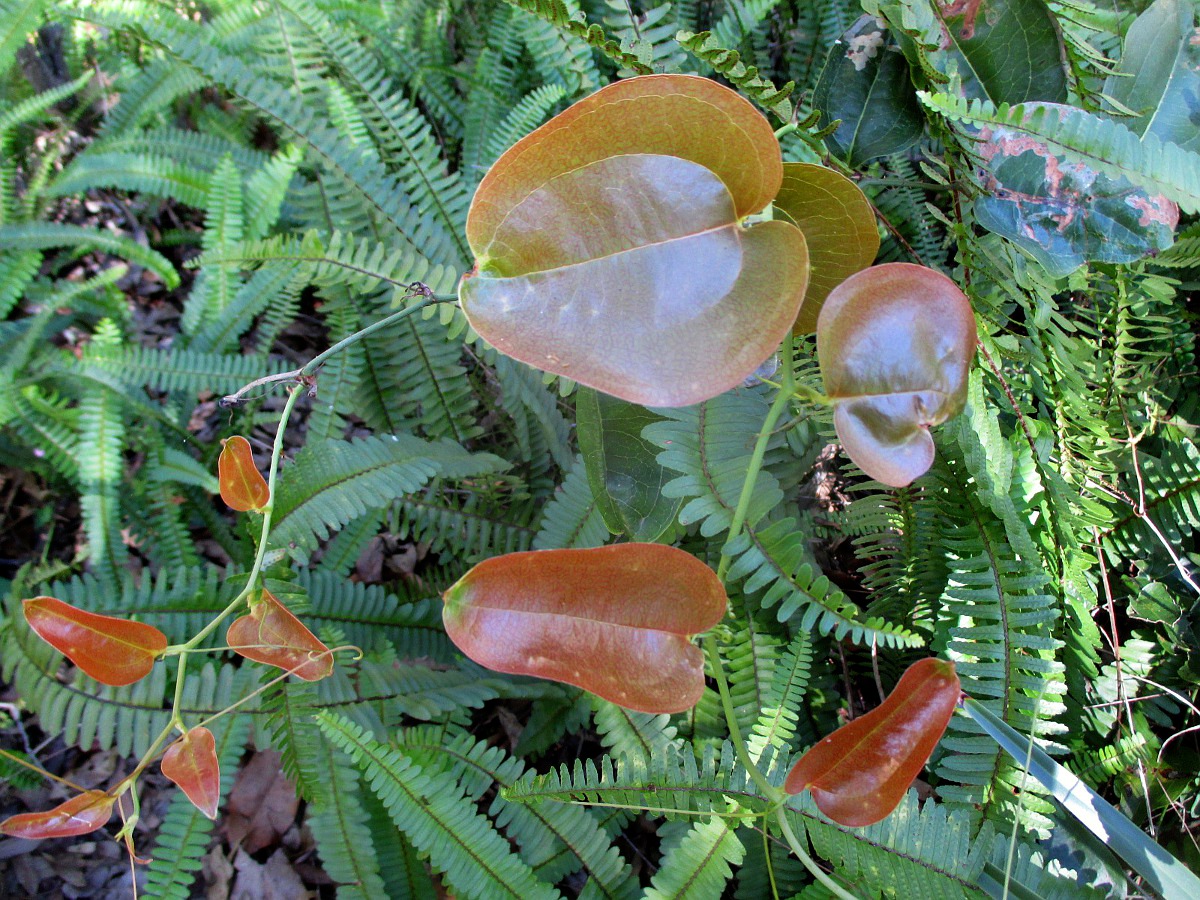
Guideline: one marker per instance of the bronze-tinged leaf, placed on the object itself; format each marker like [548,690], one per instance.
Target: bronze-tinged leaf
[610,248]
[242,486]
[838,225]
[191,763]
[614,620]
[82,814]
[270,634]
[109,649]
[895,343]
[859,774]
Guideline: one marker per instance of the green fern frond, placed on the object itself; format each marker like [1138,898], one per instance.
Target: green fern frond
[558,14]
[729,63]
[47,235]
[698,865]
[186,371]
[779,709]
[572,518]
[134,172]
[530,111]
[631,734]
[17,19]
[460,522]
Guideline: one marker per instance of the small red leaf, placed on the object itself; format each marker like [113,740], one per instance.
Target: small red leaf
[191,762]
[859,774]
[112,650]
[271,634]
[242,486]
[83,814]
[616,621]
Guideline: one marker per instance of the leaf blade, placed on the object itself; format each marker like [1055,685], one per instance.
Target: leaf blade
[111,650]
[191,763]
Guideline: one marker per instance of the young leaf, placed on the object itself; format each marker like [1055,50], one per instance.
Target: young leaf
[82,814]
[609,245]
[614,620]
[859,774]
[839,228]
[270,634]
[111,650]
[895,343]
[242,486]
[191,763]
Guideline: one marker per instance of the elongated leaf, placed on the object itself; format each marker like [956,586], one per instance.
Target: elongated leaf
[865,86]
[860,773]
[609,246]
[191,763]
[839,228]
[271,634]
[82,814]
[109,649]
[895,343]
[613,620]
[622,467]
[242,486]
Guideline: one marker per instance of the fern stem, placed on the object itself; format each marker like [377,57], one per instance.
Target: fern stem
[772,793]
[809,863]
[786,388]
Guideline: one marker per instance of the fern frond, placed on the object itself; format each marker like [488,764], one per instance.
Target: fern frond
[572,518]
[47,235]
[558,14]
[779,710]
[184,371]
[729,63]
[631,734]
[134,172]
[698,865]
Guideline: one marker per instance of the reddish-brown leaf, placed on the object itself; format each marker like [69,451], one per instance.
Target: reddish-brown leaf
[191,762]
[615,620]
[242,486]
[112,650]
[82,814]
[271,634]
[859,773]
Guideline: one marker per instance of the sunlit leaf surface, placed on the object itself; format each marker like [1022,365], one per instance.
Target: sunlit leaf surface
[82,814]
[609,245]
[242,486]
[191,763]
[858,774]
[895,343]
[614,620]
[111,650]
[270,634]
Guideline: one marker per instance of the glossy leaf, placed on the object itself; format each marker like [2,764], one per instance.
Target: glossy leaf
[82,814]
[622,468]
[1008,51]
[865,85]
[242,486]
[270,634]
[109,649]
[895,343]
[191,763]
[614,620]
[1158,76]
[609,246]
[838,225]
[859,774]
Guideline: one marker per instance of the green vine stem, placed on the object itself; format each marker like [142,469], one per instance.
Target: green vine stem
[809,863]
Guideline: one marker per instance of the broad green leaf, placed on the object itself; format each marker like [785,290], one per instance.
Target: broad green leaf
[110,649]
[1158,76]
[82,814]
[895,343]
[622,467]
[271,634]
[242,486]
[865,84]
[191,763]
[609,245]
[613,620]
[1009,51]
[838,225]
[860,773]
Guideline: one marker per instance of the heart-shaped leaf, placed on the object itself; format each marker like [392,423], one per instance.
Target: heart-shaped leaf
[614,620]
[271,634]
[242,486]
[609,245]
[82,814]
[859,774]
[839,228]
[109,649]
[191,763]
[895,343]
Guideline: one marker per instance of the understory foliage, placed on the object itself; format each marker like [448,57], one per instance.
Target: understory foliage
[280,172]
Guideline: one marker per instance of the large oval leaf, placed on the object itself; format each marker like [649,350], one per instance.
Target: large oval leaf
[271,634]
[82,814]
[109,649]
[191,763]
[859,774]
[615,620]
[895,344]
[242,486]
[839,229]
[609,246]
